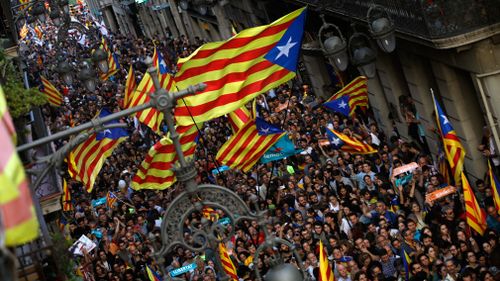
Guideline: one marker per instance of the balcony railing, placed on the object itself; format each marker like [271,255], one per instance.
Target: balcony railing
[428,19]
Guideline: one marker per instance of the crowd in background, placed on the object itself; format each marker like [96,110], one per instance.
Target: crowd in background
[345,200]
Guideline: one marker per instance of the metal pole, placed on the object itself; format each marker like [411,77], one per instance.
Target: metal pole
[89,125]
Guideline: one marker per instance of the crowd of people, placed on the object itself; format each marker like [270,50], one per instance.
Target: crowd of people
[345,200]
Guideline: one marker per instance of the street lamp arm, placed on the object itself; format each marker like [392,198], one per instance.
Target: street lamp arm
[89,125]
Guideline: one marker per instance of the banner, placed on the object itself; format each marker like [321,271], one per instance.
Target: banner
[284,147]
[440,193]
[182,270]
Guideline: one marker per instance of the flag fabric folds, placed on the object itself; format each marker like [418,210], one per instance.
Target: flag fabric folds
[356,90]
[476,217]
[155,171]
[454,151]
[227,263]
[495,185]
[150,117]
[86,160]
[166,80]
[66,199]
[283,148]
[406,263]
[113,65]
[443,165]
[153,275]
[111,199]
[340,105]
[239,69]
[38,32]
[17,212]
[130,86]
[325,270]
[348,144]
[238,118]
[23,32]
[53,95]
[248,145]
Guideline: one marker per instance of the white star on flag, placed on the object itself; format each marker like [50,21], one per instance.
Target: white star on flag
[342,104]
[106,131]
[285,49]
[265,130]
[445,119]
[163,64]
[336,141]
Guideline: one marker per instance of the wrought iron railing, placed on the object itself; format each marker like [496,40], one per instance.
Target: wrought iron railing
[430,19]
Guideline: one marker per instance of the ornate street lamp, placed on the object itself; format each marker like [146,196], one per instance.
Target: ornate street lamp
[64,4]
[39,12]
[100,58]
[55,16]
[381,28]
[87,76]
[66,72]
[335,46]
[362,54]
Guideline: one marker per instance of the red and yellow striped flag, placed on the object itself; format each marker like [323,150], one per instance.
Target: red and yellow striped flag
[239,69]
[113,65]
[150,117]
[66,198]
[39,32]
[130,86]
[476,217]
[348,144]
[325,270]
[85,161]
[357,91]
[246,147]
[155,171]
[17,213]
[238,118]
[453,148]
[495,185]
[53,95]
[227,263]
[23,32]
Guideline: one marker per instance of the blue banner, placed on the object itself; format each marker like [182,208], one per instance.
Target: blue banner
[220,170]
[284,147]
[98,202]
[182,270]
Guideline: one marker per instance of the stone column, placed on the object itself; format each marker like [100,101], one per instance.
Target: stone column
[177,18]
[222,21]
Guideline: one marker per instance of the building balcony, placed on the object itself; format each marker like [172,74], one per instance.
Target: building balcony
[441,24]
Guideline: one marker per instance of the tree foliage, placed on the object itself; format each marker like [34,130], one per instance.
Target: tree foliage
[19,99]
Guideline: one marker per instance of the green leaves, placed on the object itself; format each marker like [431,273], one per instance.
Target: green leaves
[19,100]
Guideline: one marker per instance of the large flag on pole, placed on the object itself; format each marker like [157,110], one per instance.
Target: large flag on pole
[325,270]
[155,172]
[239,69]
[17,213]
[130,86]
[113,64]
[406,263]
[476,217]
[351,96]
[227,263]
[86,160]
[348,144]
[66,199]
[455,152]
[248,145]
[495,185]
[238,118]
[53,95]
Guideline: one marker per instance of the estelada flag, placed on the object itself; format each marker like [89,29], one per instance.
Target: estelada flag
[239,69]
